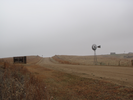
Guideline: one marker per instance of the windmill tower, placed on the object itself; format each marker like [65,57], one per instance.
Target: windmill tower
[94,47]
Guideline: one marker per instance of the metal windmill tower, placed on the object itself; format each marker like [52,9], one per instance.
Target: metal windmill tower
[94,47]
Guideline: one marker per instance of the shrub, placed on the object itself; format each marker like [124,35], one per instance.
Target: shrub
[17,83]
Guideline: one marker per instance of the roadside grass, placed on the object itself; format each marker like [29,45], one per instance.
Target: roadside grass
[63,86]
[17,83]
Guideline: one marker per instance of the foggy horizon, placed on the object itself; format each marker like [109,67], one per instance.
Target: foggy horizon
[58,27]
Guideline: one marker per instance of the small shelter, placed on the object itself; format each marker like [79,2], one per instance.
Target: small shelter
[19,59]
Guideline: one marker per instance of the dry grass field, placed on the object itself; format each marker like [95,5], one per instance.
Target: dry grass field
[64,78]
[111,60]
[63,86]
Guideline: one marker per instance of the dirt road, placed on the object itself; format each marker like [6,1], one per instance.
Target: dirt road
[118,75]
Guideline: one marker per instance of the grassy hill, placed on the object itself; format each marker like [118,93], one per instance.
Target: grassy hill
[112,60]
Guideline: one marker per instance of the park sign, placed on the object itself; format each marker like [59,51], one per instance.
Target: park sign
[21,59]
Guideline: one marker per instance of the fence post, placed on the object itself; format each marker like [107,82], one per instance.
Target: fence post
[131,62]
[119,62]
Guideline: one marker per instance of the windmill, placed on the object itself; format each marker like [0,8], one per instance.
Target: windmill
[94,47]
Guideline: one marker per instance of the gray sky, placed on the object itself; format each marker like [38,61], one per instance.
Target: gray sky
[65,27]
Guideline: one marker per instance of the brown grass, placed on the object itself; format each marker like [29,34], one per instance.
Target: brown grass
[33,59]
[111,60]
[62,61]
[17,83]
[63,86]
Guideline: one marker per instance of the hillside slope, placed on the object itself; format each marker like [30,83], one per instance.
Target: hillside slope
[111,60]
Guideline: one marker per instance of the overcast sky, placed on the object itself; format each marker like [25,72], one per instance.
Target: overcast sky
[65,27]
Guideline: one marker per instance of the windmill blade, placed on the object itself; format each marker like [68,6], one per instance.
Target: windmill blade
[99,46]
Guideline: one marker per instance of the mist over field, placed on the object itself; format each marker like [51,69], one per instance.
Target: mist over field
[65,27]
